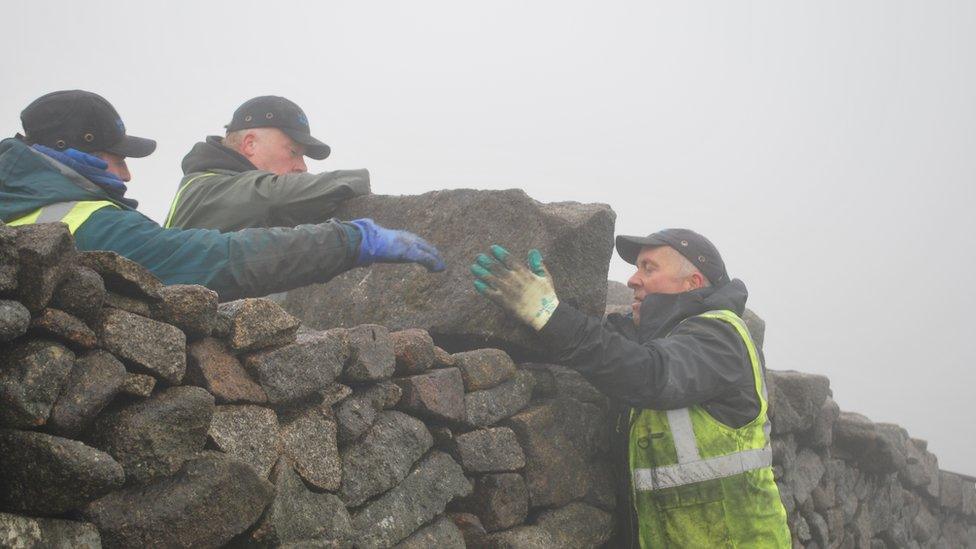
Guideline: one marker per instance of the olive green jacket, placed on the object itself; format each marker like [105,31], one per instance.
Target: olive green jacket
[222,190]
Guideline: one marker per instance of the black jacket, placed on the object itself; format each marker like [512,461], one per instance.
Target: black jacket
[663,364]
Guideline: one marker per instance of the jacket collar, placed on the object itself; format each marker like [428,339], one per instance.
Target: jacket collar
[213,155]
[660,313]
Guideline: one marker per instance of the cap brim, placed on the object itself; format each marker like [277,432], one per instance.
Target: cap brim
[133,147]
[629,247]
[313,147]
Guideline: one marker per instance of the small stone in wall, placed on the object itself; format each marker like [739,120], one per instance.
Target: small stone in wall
[249,433]
[522,537]
[63,327]
[500,501]
[49,475]
[438,394]
[32,376]
[93,382]
[470,527]
[258,323]
[44,252]
[14,319]
[298,370]
[487,407]
[491,450]
[484,368]
[158,348]
[81,293]
[577,525]
[20,531]
[212,365]
[414,351]
[309,441]
[122,275]
[443,359]
[127,303]
[9,265]
[371,354]
[357,413]
[138,385]
[189,307]
[442,534]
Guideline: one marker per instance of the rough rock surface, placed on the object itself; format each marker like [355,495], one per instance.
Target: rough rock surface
[575,239]
[484,368]
[44,252]
[523,537]
[298,514]
[249,433]
[442,534]
[138,385]
[9,260]
[212,365]
[121,275]
[206,503]
[299,369]
[153,438]
[64,327]
[94,380]
[414,351]
[435,481]
[499,501]
[484,408]
[127,304]
[371,355]
[14,319]
[577,525]
[33,373]
[357,413]
[438,394]
[157,348]
[19,531]
[309,441]
[81,293]
[258,323]
[383,457]
[50,475]
[189,307]
[493,450]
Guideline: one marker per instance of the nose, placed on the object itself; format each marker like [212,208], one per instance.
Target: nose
[300,166]
[634,282]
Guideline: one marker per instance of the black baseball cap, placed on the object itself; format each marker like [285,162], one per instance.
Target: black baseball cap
[695,247]
[82,120]
[271,111]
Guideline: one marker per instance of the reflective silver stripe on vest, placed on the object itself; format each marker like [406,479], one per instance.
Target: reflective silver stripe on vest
[683,435]
[54,212]
[699,471]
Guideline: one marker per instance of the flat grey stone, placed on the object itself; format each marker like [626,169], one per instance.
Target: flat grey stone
[247,432]
[487,407]
[138,385]
[93,382]
[492,450]
[356,414]
[44,253]
[122,275]
[14,319]
[442,533]
[438,395]
[484,368]
[81,293]
[371,354]
[33,374]
[500,501]
[577,526]
[257,324]
[189,307]
[300,369]
[63,327]
[522,537]
[309,440]
[158,349]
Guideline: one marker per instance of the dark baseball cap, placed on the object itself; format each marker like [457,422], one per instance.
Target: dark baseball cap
[82,120]
[271,111]
[695,247]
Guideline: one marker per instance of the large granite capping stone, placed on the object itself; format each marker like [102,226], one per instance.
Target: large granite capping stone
[258,323]
[487,407]
[577,526]
[300,369]
[22,532]
[32,376]
[50,475]
[442,534]
[371,355]
[157,348]
[383,457]
[44,252]
[309,440]
[422,495]
[153,437]
[122,275]
[575,239]
[619,298]
[189,307]
[210,500]
[414,351]
[247,432]
[438,395]
[492,450]
[9,265]
[14,319]
[93,382]
[500,501]
[795,399]
[81,293]
[484,368]
[298,514]
[63,327]
[857,439]
[212,365]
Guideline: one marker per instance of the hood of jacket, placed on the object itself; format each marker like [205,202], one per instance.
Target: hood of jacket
[660,313]
[30,180]
[213,155]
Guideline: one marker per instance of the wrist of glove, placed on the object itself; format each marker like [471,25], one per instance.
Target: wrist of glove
[88,166]
[381,245]
[525,291]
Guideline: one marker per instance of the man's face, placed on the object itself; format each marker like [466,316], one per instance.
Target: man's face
[659,272]
[116,165]
[271,150]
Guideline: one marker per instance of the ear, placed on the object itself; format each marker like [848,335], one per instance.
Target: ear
[696,280]
[248,143]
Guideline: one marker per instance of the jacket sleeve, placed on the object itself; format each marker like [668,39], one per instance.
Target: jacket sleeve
[700,360]
[247,263]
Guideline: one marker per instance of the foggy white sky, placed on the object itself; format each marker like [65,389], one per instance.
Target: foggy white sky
[827,148]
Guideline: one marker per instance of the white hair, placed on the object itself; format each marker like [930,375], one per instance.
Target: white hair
[687,268]
[234,140]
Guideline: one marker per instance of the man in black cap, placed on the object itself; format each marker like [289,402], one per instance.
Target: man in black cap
[46,175]
[255,176]
[686,384]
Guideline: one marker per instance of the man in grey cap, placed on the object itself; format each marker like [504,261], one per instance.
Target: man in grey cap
[255,176]
[686,384]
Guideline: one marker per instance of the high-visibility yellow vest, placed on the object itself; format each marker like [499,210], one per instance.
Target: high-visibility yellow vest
[74,214]
[697,482]
[176,199]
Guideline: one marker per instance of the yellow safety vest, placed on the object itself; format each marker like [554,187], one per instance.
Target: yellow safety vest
[176,199]
[74,214]
[697,482]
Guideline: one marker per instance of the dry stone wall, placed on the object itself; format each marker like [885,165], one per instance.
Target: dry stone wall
[134,414]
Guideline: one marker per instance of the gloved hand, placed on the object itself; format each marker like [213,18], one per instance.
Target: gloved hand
[90,167]
[381,245]
[526,293]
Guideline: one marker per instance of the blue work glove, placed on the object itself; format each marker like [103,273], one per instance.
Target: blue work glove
[381,245]
[90,167]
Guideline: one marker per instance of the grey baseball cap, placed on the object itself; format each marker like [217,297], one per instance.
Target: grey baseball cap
[695,247]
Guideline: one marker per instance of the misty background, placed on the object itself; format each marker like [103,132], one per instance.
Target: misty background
[828,149]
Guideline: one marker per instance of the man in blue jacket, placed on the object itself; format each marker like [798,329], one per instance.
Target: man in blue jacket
[70,167]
